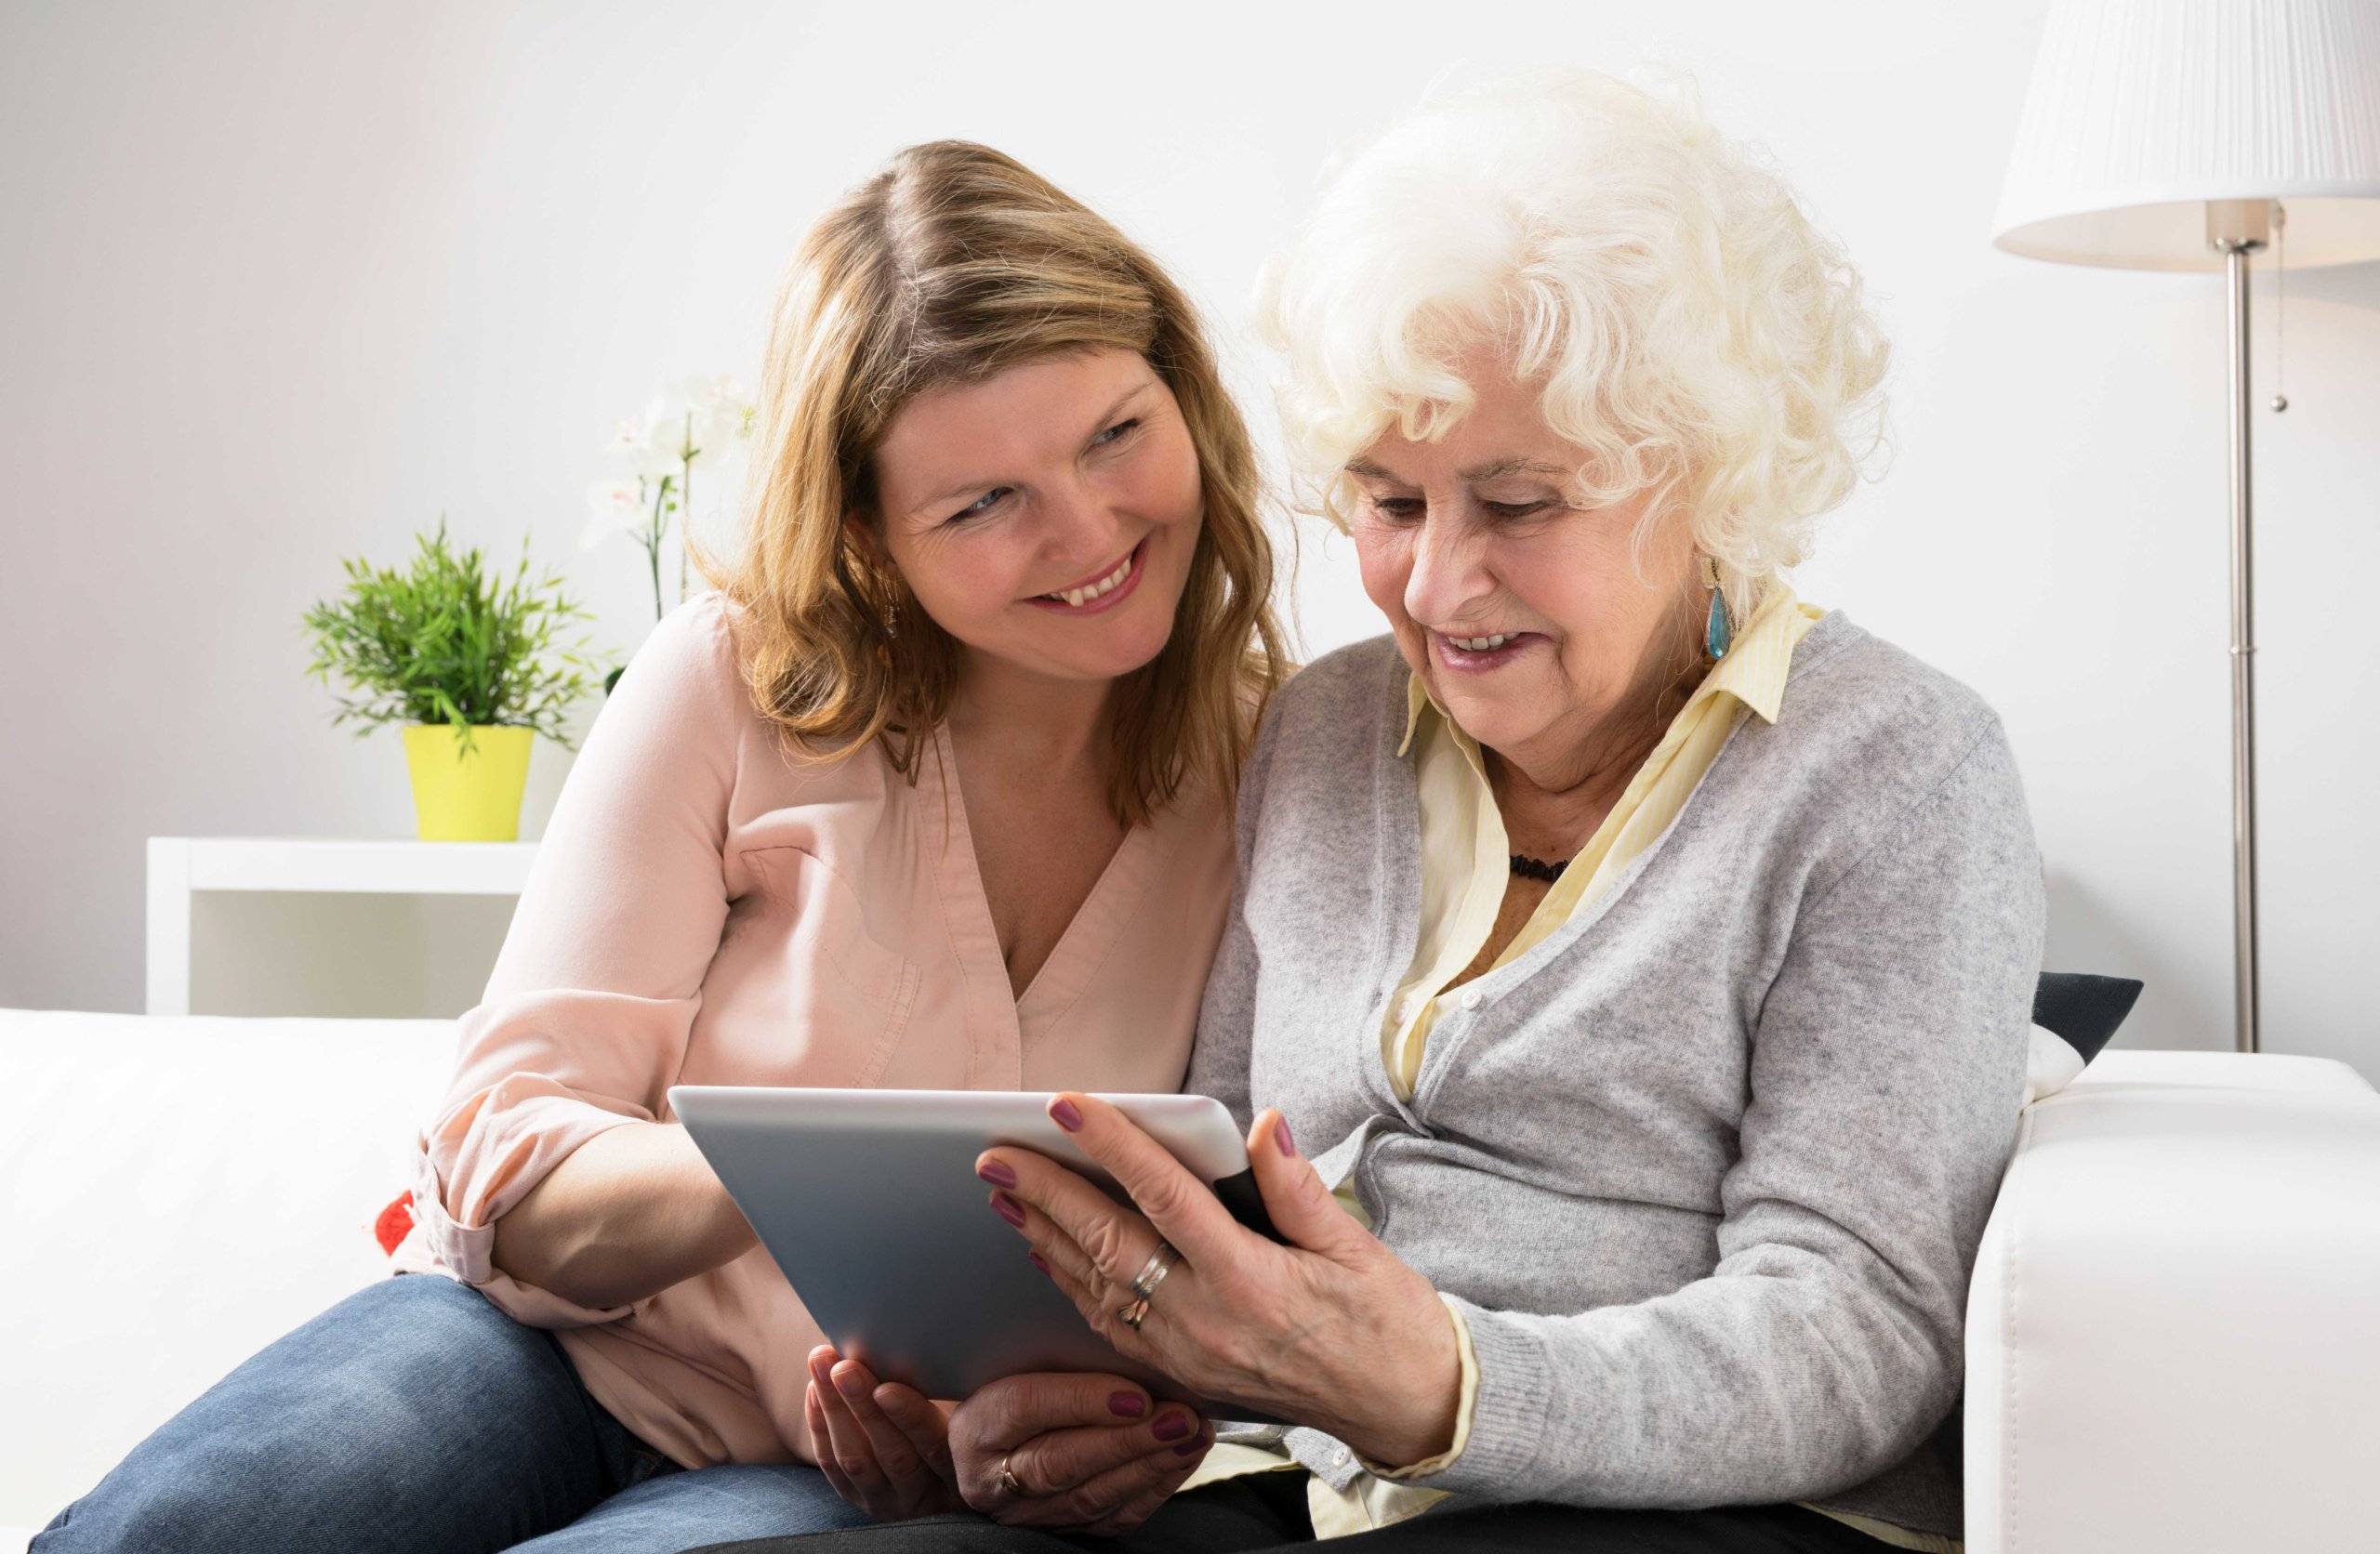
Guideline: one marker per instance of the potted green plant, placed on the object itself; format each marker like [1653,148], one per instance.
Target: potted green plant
[467,662]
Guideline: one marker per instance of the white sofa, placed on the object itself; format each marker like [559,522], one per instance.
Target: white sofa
[2174,1338]
[175,1193]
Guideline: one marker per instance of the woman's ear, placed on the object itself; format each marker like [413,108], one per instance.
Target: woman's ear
[867,537]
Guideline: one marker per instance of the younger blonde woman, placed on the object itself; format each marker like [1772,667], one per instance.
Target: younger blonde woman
[930,790]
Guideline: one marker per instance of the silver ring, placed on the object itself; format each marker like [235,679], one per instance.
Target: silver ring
[1153,1272]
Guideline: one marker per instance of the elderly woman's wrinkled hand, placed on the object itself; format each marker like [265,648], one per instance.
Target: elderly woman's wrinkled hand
[1329,1330]
[1080,1453]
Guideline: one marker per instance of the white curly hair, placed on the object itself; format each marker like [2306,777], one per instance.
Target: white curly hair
[1694,333]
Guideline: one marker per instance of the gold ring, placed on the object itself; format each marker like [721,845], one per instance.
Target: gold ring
[1135,1314]
[1008,1482]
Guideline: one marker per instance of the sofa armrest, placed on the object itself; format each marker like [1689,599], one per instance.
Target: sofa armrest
[2173,1331]
[175,1193]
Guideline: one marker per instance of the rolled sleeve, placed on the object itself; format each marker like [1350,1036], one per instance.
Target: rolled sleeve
[496,1148]
[585,1021]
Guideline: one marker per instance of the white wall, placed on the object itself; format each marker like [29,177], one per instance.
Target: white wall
[281,282]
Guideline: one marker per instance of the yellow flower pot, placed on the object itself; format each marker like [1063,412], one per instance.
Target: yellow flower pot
[473,798]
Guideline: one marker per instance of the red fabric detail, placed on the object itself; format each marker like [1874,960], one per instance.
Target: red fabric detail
[395,1222]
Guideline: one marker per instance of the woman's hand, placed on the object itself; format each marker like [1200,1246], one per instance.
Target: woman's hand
[1083,1451]
[1330,1331]
[886,1449]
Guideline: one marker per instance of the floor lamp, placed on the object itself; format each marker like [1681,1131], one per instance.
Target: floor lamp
[2188,135]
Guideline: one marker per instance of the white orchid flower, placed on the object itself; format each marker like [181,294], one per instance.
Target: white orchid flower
[650,448]
[614,508]
[722,416]
[706,395]
[693,422]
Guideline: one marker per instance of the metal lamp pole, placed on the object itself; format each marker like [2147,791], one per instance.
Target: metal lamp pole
[2236,228]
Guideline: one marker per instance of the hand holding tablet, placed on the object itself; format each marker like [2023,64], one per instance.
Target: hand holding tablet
[1324,1327]
[868,1200]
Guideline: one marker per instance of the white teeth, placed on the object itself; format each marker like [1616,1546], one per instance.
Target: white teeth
[1093,590]
[1483,644]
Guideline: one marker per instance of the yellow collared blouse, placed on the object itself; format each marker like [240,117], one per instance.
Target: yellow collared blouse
[1466,858]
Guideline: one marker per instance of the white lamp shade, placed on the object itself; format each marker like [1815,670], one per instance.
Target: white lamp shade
[2142,111]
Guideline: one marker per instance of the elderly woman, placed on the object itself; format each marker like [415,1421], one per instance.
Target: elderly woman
[1641,957]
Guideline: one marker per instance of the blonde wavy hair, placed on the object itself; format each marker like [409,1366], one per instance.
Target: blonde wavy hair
[1694,333]
[953,264]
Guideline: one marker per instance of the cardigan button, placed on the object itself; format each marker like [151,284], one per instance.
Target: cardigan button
[1469,1001]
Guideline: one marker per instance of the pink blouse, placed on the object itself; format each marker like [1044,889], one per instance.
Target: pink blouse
[704,910]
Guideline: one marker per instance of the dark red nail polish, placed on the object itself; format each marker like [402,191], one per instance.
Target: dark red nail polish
[1281,1136]
[1062,1112]
[1008,1209]
[1171,1427]
[997,1173]
[1130,1405]
[1188,1448]
[1034,1258]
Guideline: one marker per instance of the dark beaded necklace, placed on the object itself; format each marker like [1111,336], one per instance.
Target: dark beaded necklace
[1537,868]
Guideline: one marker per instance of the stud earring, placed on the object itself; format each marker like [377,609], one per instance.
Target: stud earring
[1719,630]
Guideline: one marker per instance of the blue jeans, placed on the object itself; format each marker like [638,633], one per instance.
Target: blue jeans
[410,1417]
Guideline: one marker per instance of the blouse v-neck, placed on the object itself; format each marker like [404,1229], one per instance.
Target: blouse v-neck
[1084,945]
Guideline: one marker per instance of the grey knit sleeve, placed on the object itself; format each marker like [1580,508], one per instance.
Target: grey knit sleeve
[1220,1059]
[1886,1072]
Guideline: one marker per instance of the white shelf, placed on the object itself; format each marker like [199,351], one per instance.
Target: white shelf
[182,866]
[394,866]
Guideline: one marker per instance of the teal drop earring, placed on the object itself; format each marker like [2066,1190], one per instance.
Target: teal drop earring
[1719,631]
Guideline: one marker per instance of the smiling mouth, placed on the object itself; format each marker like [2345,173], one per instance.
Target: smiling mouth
[1488,651]
[1098,588]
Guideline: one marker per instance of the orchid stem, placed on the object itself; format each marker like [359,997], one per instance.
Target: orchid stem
[686,503]
[652,544]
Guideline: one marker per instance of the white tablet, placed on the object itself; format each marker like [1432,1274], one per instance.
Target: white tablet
[869,1203]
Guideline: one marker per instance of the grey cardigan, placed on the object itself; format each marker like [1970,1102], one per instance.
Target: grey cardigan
[1706,1169]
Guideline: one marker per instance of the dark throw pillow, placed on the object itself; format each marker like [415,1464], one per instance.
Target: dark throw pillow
[2083,1009]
